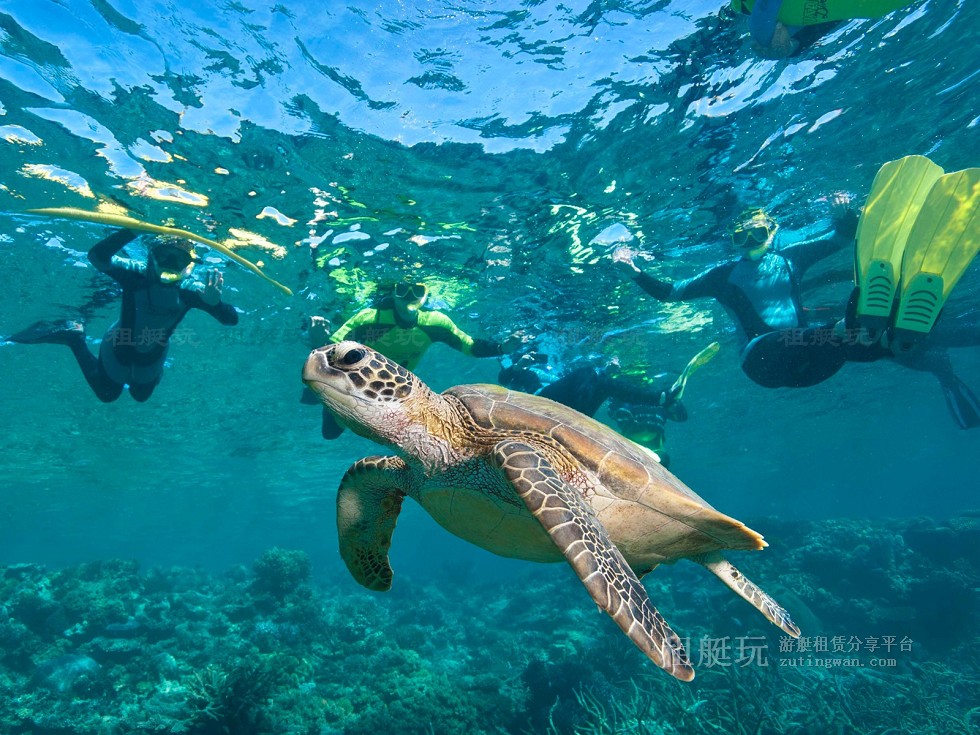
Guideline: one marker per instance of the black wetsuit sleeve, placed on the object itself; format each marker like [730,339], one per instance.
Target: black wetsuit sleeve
[102,256]
[660,290]
[708,284]
[515,378]
[804,254]
[224,313]
[485,348]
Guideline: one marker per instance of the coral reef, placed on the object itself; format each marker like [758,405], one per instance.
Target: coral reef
[888,611]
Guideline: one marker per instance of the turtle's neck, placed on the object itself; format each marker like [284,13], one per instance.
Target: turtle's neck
[433,438]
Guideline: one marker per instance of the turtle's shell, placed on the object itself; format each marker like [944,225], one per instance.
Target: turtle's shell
[683,523]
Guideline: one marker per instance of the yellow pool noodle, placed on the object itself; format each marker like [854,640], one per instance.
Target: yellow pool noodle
[118,220]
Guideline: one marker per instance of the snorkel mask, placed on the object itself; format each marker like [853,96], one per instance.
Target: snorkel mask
[172,259]
[753,233]
[411,296]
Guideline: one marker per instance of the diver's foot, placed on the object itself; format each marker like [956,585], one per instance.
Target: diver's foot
[61,332]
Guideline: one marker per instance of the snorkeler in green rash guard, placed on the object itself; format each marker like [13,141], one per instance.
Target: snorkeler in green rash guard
[402,330]
[156,296]
[782,28]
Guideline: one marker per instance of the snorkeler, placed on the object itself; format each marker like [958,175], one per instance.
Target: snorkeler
[640,405]
[782,28]
[402,330]
[761,288]
[156,296]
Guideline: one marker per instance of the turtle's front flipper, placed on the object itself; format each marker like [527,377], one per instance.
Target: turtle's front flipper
[368,502]
[582,539]
[748,591]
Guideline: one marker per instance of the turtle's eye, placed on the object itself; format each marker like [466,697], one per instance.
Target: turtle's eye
[352,357]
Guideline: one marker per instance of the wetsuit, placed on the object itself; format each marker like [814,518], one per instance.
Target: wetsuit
[404,342]
[763,297]
[646,423]
[134,348]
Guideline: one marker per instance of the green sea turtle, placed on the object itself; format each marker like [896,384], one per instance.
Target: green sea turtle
[523,477]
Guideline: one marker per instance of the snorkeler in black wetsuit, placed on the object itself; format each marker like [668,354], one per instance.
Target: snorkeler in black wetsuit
[640,406]
[156,297]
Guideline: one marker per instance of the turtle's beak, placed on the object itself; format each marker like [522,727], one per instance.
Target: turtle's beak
[317,369]
[328,383]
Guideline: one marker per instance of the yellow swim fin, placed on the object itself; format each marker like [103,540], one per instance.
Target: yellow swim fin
[941,245]
[896,197]
[704,356]
[119,220]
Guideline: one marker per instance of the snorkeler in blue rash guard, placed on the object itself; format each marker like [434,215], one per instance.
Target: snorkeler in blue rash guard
[761,287]
[156,297]
[761,291]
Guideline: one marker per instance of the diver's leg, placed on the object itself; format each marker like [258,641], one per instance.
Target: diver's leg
[72,334]
[99,371]
[963,404]
[142,391]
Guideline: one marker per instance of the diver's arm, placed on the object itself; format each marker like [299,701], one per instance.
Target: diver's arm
[660,290]
[207,297]
[102,254]
[804,254]
[223,312]
[519,378]
[440,328]
[361,318]
[703,285]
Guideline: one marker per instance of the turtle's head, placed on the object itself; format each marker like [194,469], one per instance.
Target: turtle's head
[367,392]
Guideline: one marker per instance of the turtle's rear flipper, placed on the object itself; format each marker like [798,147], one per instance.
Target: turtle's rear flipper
[748,591]
[580,536]
[368,502]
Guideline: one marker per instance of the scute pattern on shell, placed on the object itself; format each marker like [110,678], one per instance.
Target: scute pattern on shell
[623,466]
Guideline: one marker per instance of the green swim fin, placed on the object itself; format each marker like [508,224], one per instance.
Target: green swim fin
[895,200]
[704,356]
[941,245]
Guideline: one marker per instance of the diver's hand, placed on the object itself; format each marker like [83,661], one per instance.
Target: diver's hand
[319,330]
[622,259]
[211,295]
[840,205]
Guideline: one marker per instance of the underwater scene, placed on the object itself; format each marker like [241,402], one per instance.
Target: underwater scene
[653,326]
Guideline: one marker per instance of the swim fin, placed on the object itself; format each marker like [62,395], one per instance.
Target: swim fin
[703,357]
[942,244]
[61,332]
[899,190]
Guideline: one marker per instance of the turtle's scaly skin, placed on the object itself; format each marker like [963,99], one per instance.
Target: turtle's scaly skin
[524,477]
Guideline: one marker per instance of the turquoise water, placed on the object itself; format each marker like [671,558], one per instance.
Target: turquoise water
[483,147]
